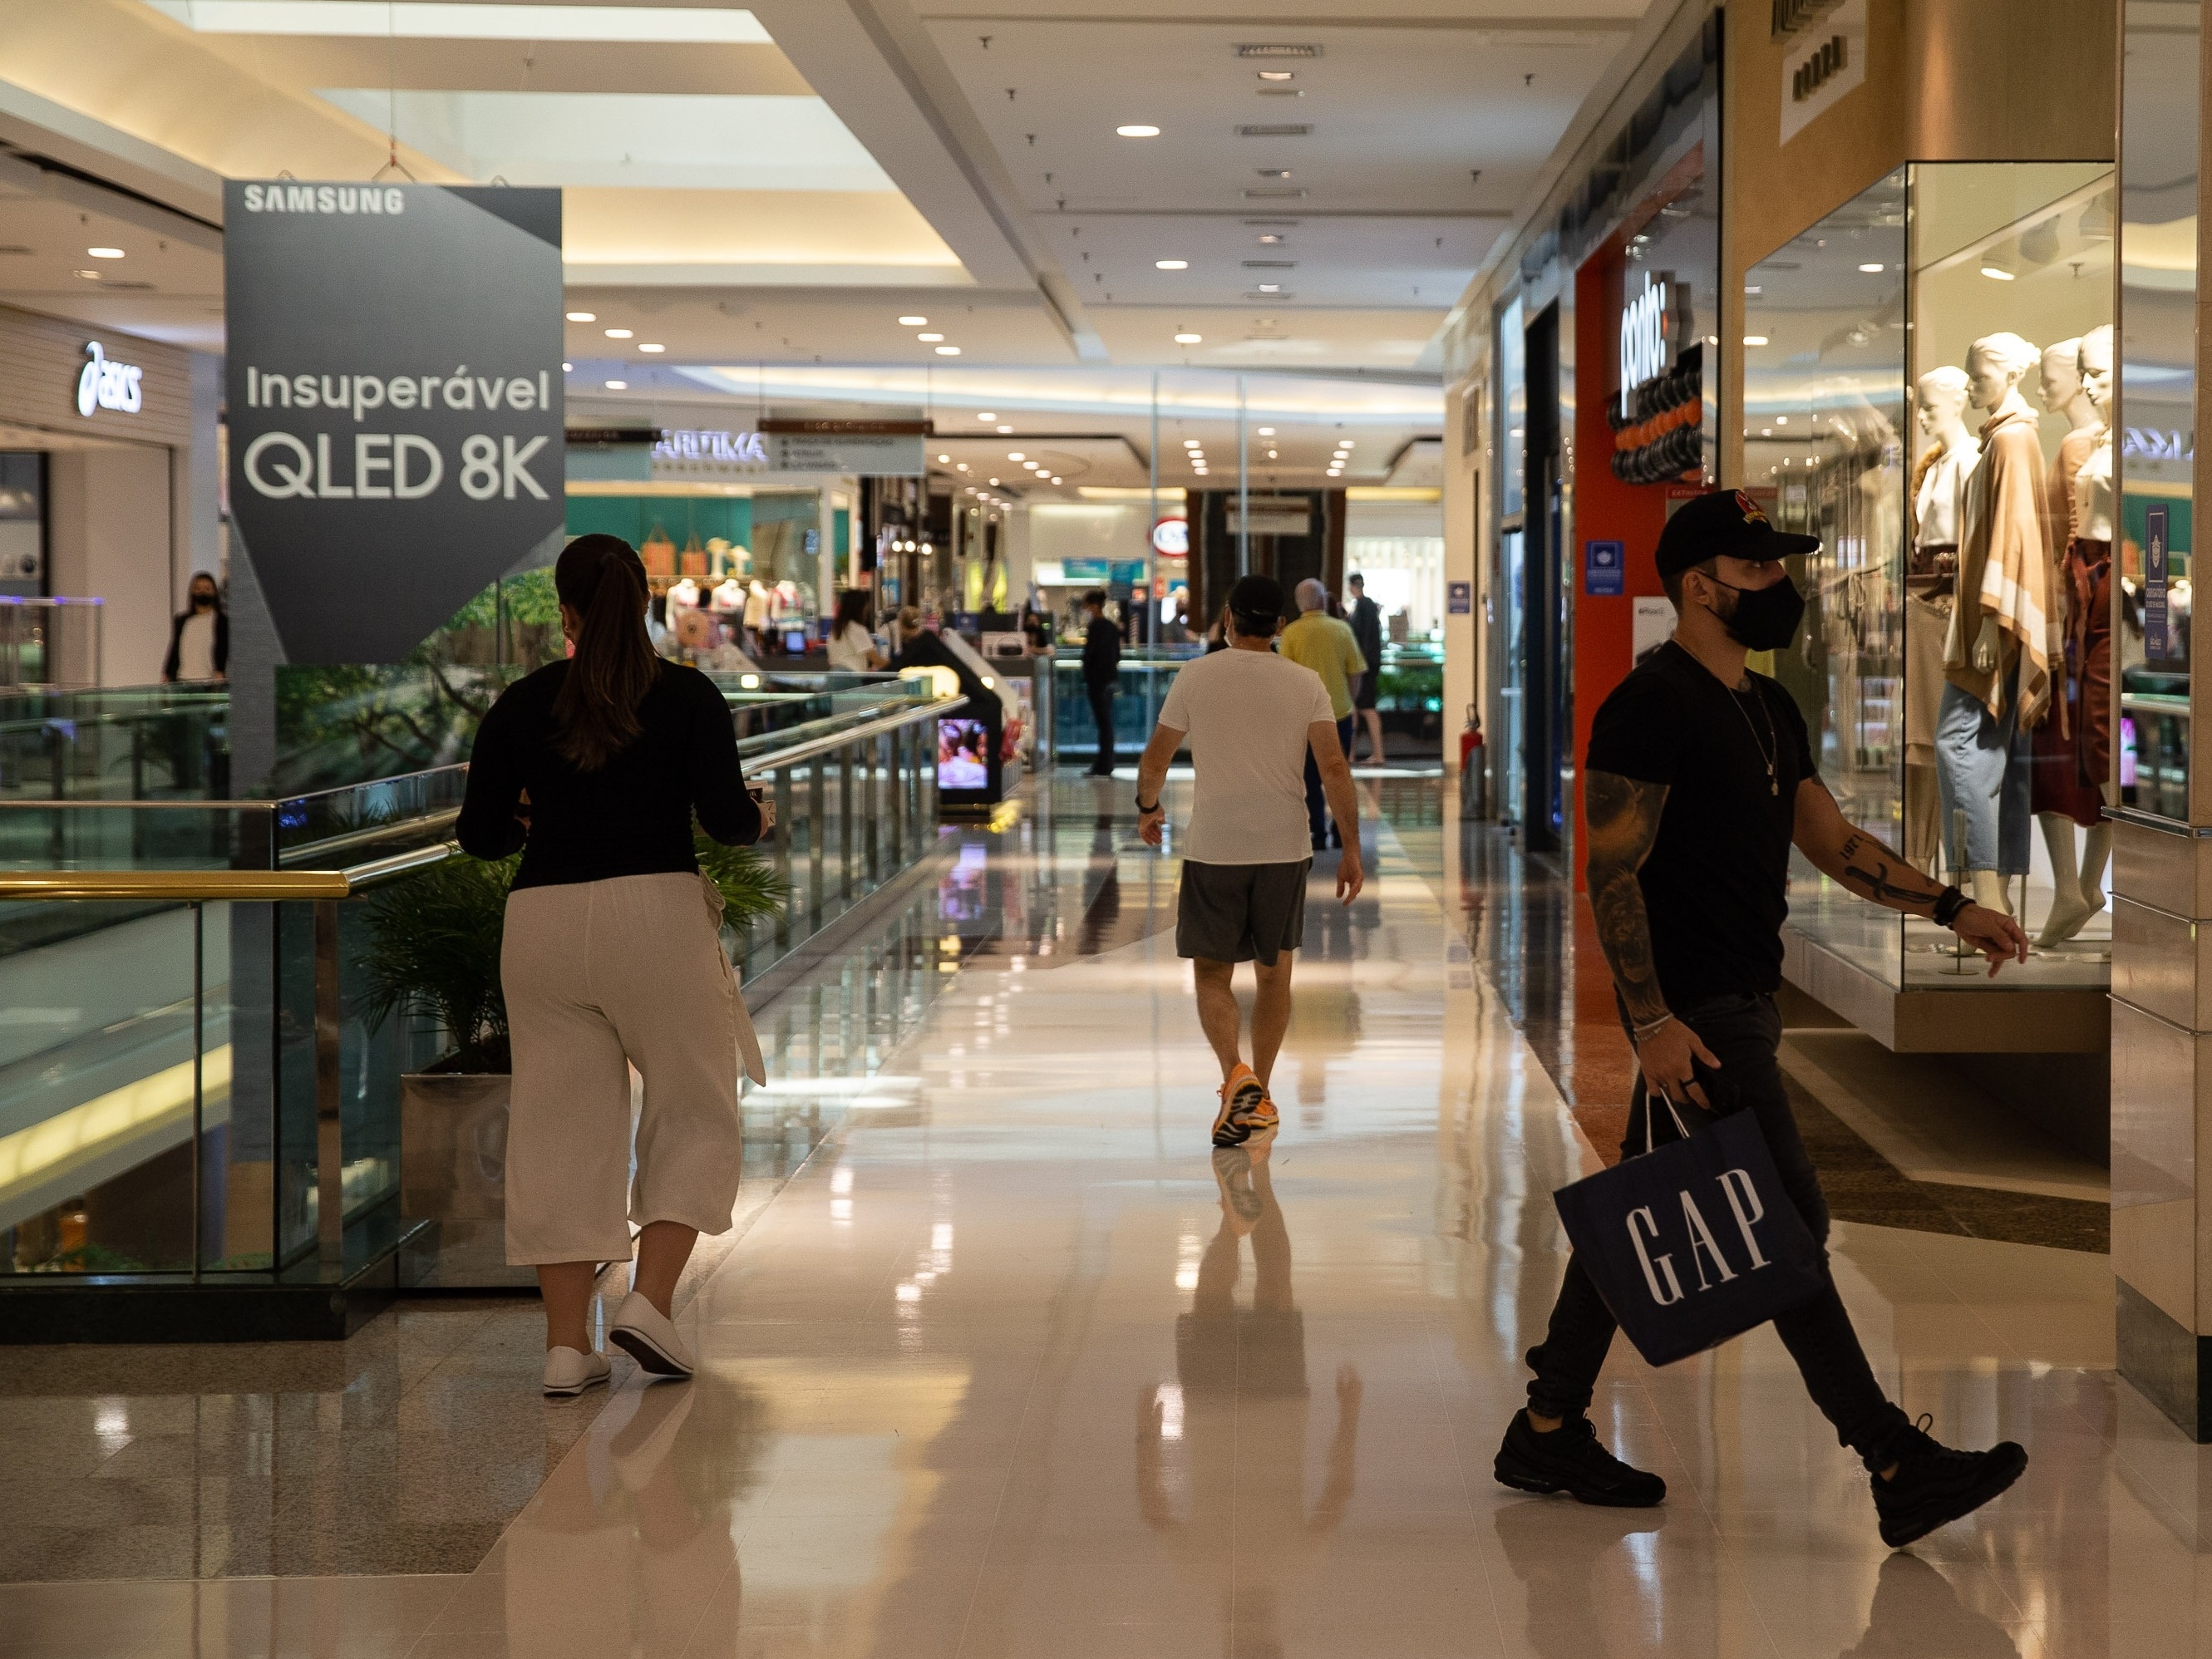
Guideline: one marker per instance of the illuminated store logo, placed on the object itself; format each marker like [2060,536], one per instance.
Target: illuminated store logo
[1643,353]
[102,383]
[685,444]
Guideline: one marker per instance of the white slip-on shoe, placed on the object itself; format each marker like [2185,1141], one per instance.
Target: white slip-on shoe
[569,1372]
[643,1333]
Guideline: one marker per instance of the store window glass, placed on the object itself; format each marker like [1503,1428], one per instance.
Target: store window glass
[2156,458]
[1922,391]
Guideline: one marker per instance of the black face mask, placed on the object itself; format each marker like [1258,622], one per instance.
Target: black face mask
[1762,619]
[203,601]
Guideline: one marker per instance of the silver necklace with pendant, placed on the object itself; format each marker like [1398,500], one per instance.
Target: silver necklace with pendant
[1770,747]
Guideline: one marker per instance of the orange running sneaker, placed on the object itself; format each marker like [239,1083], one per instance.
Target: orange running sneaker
[1245,1108]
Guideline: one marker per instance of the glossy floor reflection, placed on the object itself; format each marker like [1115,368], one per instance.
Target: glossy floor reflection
[1016,1365]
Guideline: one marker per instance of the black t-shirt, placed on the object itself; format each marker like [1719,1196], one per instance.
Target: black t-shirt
[1717,884]
[633,816]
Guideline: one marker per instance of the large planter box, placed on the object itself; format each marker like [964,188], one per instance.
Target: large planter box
[452,1146]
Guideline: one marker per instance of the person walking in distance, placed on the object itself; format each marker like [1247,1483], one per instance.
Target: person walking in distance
[1102,669]
[592,769]
[1253,720]
[1366,620]
[1699,778]
[1324,643]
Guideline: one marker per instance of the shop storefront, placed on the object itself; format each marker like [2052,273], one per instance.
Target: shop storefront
[103,497]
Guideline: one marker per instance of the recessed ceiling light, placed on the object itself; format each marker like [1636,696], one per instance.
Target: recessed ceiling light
[1191,443]
[948,351]
[1754,339]
[1270,288]
[1997,273]
[929,339]
[1278,74]
[1055,477]
[648,345]
[1874,270]
[104,253]
[1005,429]
[1015,455]
[913,322]
[986,415]
[91,273]
[1271,454]
[621,333]
[943,458]
[1138,129]
[1189,339]
[567,369]
[1271,239]
[617,385]
[583,316]
[1266,432]
[961,466]
[994,484]
[1171,264]
[1346,443]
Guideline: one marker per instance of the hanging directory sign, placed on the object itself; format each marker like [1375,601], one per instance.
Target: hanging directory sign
[395,402]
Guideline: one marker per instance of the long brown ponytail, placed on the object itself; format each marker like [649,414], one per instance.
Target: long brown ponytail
[602,579]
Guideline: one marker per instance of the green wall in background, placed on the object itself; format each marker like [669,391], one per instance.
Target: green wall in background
[633,517]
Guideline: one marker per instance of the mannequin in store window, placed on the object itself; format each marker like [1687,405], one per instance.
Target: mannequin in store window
[199,639]
[1997,667]
[1930,582]
[2080,893]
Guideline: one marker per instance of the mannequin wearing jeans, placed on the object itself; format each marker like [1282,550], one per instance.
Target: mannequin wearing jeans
[1996,660]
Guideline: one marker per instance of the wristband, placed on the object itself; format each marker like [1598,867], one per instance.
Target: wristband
[1649,1026]
[1949,903]
[1144,810]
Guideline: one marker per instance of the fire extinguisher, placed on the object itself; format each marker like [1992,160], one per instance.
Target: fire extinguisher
[1473,774]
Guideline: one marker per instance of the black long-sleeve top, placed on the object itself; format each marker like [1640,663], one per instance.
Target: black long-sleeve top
[633,816]
[1101,653]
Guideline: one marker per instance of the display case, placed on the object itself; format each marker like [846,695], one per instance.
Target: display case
[1927,388]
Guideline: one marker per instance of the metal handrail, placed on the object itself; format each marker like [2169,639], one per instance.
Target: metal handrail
[212,886]
[776,762]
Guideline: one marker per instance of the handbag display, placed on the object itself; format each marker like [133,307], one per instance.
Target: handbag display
[1694,1240]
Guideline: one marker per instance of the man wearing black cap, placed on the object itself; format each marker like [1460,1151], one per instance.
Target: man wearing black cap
[1700,777]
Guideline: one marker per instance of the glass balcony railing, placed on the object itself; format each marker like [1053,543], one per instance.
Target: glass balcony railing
[194,1088]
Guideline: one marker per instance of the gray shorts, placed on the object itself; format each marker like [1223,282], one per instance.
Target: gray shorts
[1238,912]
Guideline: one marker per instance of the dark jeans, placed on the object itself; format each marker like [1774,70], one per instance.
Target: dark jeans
[1102,716]
[1743,1032]
[1317,803]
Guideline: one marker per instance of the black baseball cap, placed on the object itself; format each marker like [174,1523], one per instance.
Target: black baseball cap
[1724,524]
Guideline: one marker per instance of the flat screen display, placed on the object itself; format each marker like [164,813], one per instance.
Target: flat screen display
[963,750]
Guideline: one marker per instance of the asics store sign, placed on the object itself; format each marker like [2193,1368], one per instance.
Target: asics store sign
[103,383]
[395,402]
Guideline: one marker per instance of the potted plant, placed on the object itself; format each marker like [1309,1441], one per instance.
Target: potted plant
[431,954]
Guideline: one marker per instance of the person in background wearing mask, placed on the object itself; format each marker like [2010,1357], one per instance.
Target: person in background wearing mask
[1699,778]
[200,640]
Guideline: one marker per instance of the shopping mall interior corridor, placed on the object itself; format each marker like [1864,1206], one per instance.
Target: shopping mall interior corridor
[1007,1360]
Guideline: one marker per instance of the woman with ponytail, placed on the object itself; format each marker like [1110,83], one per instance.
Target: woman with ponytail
[594,769]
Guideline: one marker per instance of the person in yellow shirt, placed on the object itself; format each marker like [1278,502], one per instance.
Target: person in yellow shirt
[1320,641]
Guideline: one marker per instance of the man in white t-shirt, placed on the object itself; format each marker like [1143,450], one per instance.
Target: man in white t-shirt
[1251,718]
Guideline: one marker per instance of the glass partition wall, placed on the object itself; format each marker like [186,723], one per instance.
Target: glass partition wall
[1949,305]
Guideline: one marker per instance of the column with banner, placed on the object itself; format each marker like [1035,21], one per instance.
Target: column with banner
[394,399]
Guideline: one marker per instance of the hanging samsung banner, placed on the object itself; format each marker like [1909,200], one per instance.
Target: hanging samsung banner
[395,402]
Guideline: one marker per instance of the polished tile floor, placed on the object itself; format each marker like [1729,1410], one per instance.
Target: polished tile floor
[1014,1364]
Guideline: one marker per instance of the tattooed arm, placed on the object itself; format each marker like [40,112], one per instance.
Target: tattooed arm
[1624,821]
[1858,862]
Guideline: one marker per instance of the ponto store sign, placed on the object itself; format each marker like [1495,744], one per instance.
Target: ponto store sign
[1644,348]
[103,383]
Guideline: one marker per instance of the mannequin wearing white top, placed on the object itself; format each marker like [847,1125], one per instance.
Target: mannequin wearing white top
[1940,399]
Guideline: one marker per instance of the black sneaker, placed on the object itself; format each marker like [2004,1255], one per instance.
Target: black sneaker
[1570,1459]
[1935,1485]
